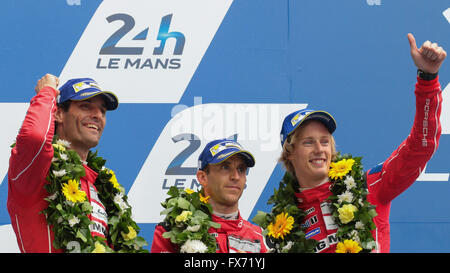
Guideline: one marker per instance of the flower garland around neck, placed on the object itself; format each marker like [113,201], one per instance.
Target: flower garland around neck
[188,219]
[68,207]
[350,209]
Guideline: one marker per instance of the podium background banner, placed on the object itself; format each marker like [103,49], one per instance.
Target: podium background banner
[187,72]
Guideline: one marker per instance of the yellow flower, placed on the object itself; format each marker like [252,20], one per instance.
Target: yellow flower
[282,226]
[346,213]
[189,191]
[204,199]
[183,216]
[113,179]
[130,235]
[99,248]
[59,147]
[348,246]
[341,168]
[72,192]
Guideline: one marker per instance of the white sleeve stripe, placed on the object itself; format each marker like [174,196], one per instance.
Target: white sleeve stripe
[435,137]
[20,235]
[375,182]
[437,122]
[42,146]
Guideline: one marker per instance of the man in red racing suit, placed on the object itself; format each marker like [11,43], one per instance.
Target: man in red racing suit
[222,173]
[385,181]
[233,236]
[29,165]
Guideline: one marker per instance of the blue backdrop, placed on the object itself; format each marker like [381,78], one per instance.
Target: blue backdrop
[349,57]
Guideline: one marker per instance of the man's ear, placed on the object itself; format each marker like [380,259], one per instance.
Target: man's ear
[290,157]
[202,178]
[59,115]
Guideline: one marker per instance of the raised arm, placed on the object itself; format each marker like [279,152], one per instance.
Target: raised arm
[401,169]
[31,156]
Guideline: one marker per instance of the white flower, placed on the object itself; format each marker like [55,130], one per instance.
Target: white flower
[355,236]
[73,221]
[53,196]
[360,202]
[193,246]
[60,173]
[118,199]
[349,182]
[64,156]
[193,228]
[359,225]
[371,245]
[287,247]
[63,142]
[69,203]
[345,197]
[55,159]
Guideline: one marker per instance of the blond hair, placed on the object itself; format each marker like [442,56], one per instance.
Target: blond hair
[288,149]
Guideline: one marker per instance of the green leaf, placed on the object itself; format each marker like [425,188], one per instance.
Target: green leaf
[86,207]
[173,191]
[373,212]
[140,241]
[200,214]
[214,224]
[81,236]
[172,202]
[260,218]
[166,211]
[183,203]
[167,234]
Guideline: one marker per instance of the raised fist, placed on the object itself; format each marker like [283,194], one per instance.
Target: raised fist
[47,80]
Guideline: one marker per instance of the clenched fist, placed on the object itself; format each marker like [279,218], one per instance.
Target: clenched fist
[428,57]
[47,80]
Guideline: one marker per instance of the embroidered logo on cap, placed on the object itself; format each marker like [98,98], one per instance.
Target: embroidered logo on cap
[84,85]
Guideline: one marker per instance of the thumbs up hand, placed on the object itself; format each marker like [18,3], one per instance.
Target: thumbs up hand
[428,57]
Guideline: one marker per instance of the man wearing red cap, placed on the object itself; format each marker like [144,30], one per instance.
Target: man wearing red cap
[309,149]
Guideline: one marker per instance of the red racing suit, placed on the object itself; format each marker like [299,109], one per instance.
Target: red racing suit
[385,181]
[233,236]
[28,167]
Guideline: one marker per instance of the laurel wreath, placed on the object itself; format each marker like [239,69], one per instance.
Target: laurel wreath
[188,219]
[350,209]
[69,220]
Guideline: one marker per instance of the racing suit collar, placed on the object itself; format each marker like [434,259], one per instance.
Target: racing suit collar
[316,193]
[307,188]
[230,216]
[228,225]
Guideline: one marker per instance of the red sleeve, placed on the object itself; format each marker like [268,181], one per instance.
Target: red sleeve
[406,163]
[31,157]
[161,244]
